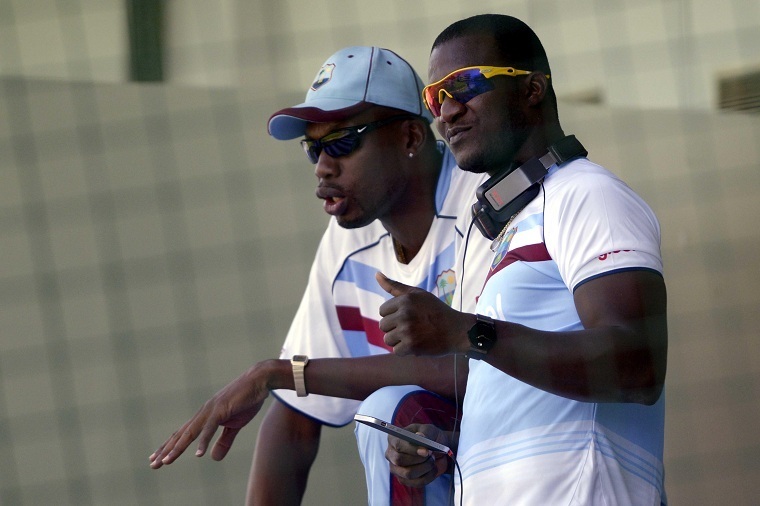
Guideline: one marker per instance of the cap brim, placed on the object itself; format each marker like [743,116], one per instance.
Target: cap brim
[291,122]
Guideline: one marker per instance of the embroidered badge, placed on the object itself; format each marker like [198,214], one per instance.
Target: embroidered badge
[323,76]
[445,284]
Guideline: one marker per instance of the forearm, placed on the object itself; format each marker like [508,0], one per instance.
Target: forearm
[619,355]
[286,447]
[356,378]
[603,364]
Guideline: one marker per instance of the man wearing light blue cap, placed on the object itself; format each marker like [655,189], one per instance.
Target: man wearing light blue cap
[351,81]
[394,193]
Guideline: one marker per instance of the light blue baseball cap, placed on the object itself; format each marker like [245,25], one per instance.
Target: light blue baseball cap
[350,81]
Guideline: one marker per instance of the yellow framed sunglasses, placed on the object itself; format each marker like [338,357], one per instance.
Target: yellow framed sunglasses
[465,84]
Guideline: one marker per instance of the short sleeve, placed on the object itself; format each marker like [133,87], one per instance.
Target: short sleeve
[595,224]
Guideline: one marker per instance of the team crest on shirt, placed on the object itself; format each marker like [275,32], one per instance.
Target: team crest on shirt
[503,248]
[444,286]
[323,76]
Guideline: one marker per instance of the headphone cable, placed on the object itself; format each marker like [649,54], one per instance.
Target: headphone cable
[456,375]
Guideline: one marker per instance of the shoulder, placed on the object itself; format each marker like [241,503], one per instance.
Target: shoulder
[581,172]
[338,243]
[582,181]
[583,193]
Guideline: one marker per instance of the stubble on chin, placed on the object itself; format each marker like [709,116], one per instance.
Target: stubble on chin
[356,222]
[349,224]
[470,163]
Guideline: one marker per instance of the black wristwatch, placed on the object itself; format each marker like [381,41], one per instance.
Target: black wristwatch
[482,337]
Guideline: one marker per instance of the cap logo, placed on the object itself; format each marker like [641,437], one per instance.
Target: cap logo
[323,76]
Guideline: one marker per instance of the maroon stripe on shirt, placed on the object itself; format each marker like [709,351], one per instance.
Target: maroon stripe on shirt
[351,318]
[529,253]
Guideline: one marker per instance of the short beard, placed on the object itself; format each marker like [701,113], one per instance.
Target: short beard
[480,164]
[360,222]
[362,219]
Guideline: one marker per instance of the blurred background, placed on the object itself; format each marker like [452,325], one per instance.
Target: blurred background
[155,242]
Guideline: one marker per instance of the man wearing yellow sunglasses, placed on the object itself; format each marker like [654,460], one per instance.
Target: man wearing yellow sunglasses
[392,192]
[568,341]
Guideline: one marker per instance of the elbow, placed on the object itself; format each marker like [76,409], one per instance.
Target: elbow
[646,396]
[646,381]
[648,389]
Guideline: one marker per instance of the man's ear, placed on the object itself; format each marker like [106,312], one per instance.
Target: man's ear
[536,89]
[416,135]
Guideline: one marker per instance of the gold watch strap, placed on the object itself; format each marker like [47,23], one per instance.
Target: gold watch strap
[298,363]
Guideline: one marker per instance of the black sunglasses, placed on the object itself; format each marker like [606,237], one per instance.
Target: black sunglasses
[345,141]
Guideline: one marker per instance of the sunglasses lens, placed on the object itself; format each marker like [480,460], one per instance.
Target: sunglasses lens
[462,86]
[341,146]
[312,150]
[432,101]
[335,144]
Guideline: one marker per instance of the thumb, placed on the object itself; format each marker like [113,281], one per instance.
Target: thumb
[391,286]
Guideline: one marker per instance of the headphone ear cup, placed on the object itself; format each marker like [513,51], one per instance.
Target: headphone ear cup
[510,184]
[485,222]
[491,222]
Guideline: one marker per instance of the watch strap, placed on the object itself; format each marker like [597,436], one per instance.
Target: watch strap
[298,362]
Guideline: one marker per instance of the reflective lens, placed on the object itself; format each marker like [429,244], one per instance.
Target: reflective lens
[344,141]
[464,84]
[338,143]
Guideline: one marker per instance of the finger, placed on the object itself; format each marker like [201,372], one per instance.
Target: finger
[224,443]
[159,451]
[416,475]
[391,286]
[399,347]
[441,465]
[412,471]
[387,319]
[171,453]
[404,454]
[204,438]
[157,457]
[390,340]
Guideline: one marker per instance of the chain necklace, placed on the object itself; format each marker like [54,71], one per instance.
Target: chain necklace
[496,244]
[400,256]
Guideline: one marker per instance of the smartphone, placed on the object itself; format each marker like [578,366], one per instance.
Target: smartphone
[404,434]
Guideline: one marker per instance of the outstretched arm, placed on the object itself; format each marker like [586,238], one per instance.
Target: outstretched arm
[619,356]
[286,447]
[356,378]
[352,378]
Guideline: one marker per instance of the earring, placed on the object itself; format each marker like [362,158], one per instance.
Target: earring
[411,155]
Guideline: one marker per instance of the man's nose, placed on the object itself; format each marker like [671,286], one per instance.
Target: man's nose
[327,167]
[450,109]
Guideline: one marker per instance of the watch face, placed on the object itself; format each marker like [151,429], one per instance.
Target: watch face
[300,359]
[482,335]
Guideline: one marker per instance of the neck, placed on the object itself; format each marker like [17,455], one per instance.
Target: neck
[536,145]
[409,232]
[410,221]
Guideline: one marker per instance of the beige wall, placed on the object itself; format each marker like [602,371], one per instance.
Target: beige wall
[643,54]
[154,242]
